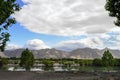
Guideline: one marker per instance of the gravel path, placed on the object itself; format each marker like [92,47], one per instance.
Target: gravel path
[58,76]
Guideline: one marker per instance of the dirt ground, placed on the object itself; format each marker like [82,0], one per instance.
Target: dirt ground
[5,75]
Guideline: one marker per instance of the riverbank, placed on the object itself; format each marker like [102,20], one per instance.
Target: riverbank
[6,75]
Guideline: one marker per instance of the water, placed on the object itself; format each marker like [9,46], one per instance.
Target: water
[73,68]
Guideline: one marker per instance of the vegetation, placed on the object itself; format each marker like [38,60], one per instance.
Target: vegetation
[48,65]
[7,8]
[3,62]
[27,59]
[116,62]
[107,59]
[97,62]
[113,6]
[67,65]
[106,62]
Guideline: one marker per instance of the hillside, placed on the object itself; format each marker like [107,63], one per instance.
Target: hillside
[43,53]
[83,53]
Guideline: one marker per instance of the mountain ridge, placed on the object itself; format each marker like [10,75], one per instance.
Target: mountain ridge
[80,53]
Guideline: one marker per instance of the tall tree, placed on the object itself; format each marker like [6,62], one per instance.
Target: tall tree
[7,8]
[107,59]
[113,6]
[27,59]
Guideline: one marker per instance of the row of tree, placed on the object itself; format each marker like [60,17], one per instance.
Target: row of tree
[27,61]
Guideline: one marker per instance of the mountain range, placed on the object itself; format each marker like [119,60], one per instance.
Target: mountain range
[82,53]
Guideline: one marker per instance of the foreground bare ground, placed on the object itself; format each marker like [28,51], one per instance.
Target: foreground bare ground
[59,75]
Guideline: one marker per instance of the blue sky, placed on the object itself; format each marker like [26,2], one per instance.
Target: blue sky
[64,25]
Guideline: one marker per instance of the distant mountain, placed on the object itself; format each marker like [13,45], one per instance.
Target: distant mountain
[82,53]
[2,54]
[13,53]
[85,53]
[43,53]
[49,53]
[88,53]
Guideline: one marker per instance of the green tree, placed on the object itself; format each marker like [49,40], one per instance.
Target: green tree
[113,6]
[3,63]
[81,62]
[27,59]
[117,62]
[107,59]
[7,8]
[97,62]
[67,65]
[48,65]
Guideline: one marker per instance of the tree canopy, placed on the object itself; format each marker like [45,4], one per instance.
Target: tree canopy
[7,8]
[27,59]
[107,59]
[113,6]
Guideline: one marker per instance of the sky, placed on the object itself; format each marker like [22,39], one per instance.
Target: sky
[64,25]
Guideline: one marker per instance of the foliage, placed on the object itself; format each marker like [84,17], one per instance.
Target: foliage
[16,61]
[3,62]
[97,62]
[48,65]
[117,62]
[67,65]
[7,8]
[27,59]
[113,6]
[81,62]
[87,62]
[84,62]
[107,59]
[14,58]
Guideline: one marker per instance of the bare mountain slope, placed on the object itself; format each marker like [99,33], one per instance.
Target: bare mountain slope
[2,54]
[43,53]
[83,53]
[49,53]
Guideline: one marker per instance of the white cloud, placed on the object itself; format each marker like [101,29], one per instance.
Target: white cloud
[118,38]
[110,40]
[12,47]
[104,36]
[82,43]
[91,41]
[65,17]
[69,45]
[36,44]
[114,45]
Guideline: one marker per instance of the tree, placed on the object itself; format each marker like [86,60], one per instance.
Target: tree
[7,8]
[117,62]
[48,65]
[3,62]
[113,6]
[67,65]
[107,59]
[97,62]
[27,59]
